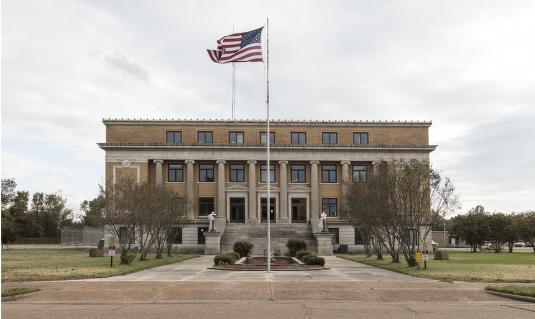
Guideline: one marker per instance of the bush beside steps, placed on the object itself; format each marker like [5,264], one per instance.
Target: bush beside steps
[226,259]
[308,258]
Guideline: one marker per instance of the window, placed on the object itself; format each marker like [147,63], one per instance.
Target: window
[237,173]
[329,206]
[206,172]
[206,206]
[175,236]
[360,138]
[205,137]
[235,137]
[328,173]
[299,138]
[175,173]
[174,137]
[271,137]
[329,137]
[360,173]
[263,173]
[359,236]
[123,235]
[298,173]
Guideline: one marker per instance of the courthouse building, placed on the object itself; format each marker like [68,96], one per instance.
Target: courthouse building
[220,165]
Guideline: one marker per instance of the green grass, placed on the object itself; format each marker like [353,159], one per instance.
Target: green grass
[465,266]
[10,292]
[528,291]
[62,264]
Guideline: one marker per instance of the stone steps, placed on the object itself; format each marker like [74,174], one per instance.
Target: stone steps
[256,234]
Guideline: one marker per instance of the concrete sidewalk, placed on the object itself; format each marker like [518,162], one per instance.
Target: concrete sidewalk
[196,270]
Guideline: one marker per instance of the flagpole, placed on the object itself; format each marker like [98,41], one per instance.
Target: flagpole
[233,84]
[268,142]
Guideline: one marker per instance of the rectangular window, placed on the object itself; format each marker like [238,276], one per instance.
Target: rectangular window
[206,172]
[175,236]
[329,137]
[205,137]
[174,137]
[299,173]
[329,206]
[360,138]
[123,235]
[175,173]
[360,173]
[359,236]
[235,137]
[206,206]
[263,137]
[237,173]
[299,138]
[328,173]
[263,173]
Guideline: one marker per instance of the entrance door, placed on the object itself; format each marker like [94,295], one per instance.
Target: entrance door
[263,204]
[299,210]
[237,210]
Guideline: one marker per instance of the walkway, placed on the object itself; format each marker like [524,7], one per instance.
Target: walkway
[196,270]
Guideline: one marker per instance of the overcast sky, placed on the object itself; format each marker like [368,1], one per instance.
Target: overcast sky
[469,66]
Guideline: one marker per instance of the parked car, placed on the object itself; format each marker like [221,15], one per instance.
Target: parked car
[519,244]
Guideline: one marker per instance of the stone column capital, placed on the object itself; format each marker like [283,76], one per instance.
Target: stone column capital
[251,162]
[314,162]
[189,161]
[158,161]
[345,162]
[221,162]
[283,162]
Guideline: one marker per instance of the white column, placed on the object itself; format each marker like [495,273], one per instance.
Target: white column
[314,196]
[252,192]
[345,177]
[159,173]
[190,185]
[283,195]
[221,198]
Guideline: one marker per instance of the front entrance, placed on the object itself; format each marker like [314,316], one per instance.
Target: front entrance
[263,205]
[237,210]
[299,210]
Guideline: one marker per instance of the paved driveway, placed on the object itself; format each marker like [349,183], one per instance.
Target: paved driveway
[196,270]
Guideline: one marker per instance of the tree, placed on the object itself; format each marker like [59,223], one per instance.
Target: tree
[398,205]
[93,210]
[472,227]
[526,228]
[8,192]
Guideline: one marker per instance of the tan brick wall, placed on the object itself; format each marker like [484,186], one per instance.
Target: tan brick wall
[136,133]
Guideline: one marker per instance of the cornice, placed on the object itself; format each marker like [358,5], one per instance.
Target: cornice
[260,122]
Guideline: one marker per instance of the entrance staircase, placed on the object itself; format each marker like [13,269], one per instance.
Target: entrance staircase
[256,234]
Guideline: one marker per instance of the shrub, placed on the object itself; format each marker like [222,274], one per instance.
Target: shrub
[127,258]
[300,254]
[243,247]
[295,245]
[226,259]
[314,260]
[234,255]
[305,257]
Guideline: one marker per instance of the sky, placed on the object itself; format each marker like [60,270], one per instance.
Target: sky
[468,66]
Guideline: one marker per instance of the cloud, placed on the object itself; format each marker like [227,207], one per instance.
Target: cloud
[120,62]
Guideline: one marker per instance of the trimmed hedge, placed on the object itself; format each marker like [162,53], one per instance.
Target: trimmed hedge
[315,260]
[235,255]
[243,248]
[302,253]
[226,259]
[306,257]
[295,245]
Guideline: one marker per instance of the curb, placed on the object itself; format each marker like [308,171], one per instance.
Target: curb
[511,296]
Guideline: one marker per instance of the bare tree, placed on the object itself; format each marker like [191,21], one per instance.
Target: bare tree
[171,212]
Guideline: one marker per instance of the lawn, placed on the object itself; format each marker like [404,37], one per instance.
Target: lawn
[465,266]
[528,291]
[11,292]
[62,264]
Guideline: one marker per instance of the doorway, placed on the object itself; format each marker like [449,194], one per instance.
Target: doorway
[299,210]
[263,204]
[237,210]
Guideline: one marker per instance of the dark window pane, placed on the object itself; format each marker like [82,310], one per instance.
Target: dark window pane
[359,237]
[299,138]
[328,173]
[206,172]
[237,173]
[360,173]
[236,138]
[174,137]
[204,137]
[175,236]
[329,137]
[329,206]
[298,173]
[263,137]
[175,173]
[206,206]
[263,173]
[360,138]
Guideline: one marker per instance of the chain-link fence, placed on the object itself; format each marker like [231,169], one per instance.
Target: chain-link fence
[87,236]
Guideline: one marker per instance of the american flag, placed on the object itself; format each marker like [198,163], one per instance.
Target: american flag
[238,47]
